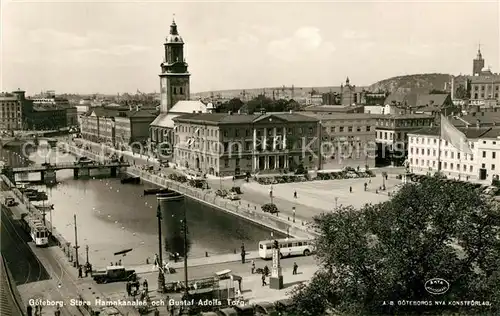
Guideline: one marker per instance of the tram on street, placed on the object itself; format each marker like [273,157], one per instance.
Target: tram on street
[288,247]
[37,230]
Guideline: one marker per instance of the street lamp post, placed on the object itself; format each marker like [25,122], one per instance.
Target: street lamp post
[76,243]
[161,277]
[87,254]
[336,201]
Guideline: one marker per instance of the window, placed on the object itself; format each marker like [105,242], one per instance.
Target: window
[368,128]
[411,150]
[493,155]
[225,133]
[226,162]
[483,166]
[180,90]
[237,133]
[458,155]
[484,154]
[452,154]
[175,90]
[434,152]
[349,129]
[341,129]
[458,166]
[492,167]
[451,166]
[471,169]
[310,130]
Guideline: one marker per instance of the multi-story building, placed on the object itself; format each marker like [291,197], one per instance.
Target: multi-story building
[116,127]
[45,118]
[347,140]
[12,110]
[426,153]
[225,144]
[392,135]
[485,87]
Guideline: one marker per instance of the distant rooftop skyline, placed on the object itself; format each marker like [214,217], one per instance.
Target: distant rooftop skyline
[111,48]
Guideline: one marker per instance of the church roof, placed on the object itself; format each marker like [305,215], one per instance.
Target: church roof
[181,107]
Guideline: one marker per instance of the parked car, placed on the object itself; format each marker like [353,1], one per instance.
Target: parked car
[114,274]
[221,193]
[233,196]
[9,201]
[270,208]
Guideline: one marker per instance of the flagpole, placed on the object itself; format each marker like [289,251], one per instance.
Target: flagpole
[439,144]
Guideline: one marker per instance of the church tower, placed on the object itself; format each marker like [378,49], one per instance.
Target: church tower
[174,77]
[478,63]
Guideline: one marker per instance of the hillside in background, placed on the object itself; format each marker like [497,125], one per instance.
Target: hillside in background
[298,92]
[420,83]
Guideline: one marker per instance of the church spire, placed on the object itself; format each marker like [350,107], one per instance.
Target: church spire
[479,55]
[173,27]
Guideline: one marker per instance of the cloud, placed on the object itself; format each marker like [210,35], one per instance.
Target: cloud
[305,41]
[354,35]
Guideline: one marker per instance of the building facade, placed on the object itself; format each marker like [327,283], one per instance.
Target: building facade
[483,164]
[226,144]
[12,107]
[485,87]
[392,135]
[118,128]
[347,140]
[45,118]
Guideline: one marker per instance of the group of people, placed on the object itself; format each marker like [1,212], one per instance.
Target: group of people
[38,310]
[84,269]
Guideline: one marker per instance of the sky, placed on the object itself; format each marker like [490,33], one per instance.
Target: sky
[117,46]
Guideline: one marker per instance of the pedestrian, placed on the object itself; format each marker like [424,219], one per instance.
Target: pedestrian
[253,267]
[243,253]
[295,267]
[263,279]
[128,287]
[120,262]
[40,309]
[86,271]
[295,194]
[29,310]
[57,312]
[350,189]
[111,263]
[80,272]
[156,260]
[366,184]
[145,285]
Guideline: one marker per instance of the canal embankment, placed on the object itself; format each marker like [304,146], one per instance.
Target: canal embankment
[243,209]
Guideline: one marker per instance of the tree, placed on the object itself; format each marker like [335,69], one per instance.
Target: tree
[388,251]
[462,93]
[232,105]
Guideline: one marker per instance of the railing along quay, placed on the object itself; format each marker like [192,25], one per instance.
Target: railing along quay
[244,209]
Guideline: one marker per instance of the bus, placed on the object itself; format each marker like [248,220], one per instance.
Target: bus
[288,247]
[37,230]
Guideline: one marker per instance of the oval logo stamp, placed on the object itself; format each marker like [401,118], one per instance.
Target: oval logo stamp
[437,286]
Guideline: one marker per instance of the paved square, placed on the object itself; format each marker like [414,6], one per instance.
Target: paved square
[322,194]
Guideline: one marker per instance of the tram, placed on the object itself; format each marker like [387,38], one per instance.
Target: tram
[37,230]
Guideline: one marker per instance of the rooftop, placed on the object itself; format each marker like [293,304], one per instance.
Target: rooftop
[226,118]
[471,133]
[494,78]
[483,118]
[331,108]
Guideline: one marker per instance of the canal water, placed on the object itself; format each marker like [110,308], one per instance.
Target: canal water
[112,217]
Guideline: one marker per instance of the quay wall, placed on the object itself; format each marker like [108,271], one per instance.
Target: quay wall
[243,209]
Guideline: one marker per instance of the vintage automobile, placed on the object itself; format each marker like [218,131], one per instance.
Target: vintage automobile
[114,274]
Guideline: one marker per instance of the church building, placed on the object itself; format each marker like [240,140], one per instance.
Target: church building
[174,94]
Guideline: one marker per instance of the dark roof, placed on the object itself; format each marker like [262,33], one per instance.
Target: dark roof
[332,108]
[494,132]
[341,116]
[471,132]
[417,100]
[226,118]
[484,118]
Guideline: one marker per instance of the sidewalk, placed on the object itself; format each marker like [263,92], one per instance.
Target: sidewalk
[195,262]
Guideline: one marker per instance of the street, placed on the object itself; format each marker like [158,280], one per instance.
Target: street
[243,270]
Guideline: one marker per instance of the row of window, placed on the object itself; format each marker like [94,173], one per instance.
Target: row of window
[423,151]
[476,95]
[407,123]
[451,166]
[487,87]
[198,131]
[390,135]
[342,129]
[424,140]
